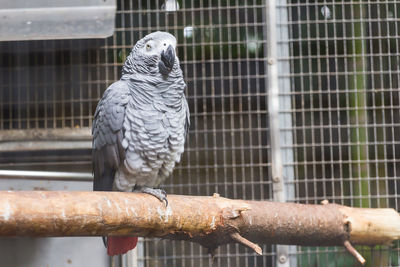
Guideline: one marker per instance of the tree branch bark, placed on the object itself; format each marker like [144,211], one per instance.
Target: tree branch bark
[209,221]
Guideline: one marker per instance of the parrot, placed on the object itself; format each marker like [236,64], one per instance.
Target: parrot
[140,126]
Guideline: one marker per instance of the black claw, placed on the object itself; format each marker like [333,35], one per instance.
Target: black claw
[160,194]
[163,192]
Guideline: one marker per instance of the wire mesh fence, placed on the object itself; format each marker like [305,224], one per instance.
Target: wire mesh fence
[339,104]
[344,58]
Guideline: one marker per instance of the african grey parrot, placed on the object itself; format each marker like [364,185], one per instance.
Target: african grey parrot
[140,125]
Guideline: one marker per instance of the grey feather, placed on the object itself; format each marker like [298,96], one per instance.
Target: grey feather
[141,122]
[107,132]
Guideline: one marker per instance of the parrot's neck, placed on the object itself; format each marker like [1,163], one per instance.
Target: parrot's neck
[157,82]
[147,88]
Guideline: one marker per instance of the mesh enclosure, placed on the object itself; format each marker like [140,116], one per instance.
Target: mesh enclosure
[339,107]
[344,58]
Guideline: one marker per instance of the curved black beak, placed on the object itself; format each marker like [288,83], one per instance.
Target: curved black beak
[167,60]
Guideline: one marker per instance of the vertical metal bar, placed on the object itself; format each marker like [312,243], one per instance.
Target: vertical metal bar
[186,50]
[274,127]
[54,85]
[273,103]
[285,116]
[10,100]
[285,103]
[62,89]
[81,86]
[36,93]
[195,112]
[70,100]
[232,121]
[224,123]
[44,88]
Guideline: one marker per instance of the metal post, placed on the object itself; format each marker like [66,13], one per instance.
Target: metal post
[273,104]
[134,258]
[277,120]
[273,110]
[46,175]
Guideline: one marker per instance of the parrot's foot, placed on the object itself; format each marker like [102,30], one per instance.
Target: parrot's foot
[158,193]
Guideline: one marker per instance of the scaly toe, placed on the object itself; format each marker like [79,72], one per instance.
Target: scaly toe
[160,194]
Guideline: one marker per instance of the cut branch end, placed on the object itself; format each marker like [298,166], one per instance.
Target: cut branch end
[354,252]
[241,240]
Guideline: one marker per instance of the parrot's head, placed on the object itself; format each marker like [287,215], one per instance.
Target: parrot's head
[153,53]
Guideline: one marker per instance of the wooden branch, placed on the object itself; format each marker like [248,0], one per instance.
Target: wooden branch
[209,221]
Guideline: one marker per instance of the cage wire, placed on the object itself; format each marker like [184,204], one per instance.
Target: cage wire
[344,58]
[339,69]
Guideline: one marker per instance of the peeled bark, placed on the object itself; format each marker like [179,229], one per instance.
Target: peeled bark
[209,221]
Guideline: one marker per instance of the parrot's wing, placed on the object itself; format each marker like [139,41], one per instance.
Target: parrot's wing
[108,132]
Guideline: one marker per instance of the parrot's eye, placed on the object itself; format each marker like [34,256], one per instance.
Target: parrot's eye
[148,47]
[165,44]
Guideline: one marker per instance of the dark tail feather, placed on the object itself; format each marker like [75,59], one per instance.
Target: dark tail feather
[105,181]
[117,245]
